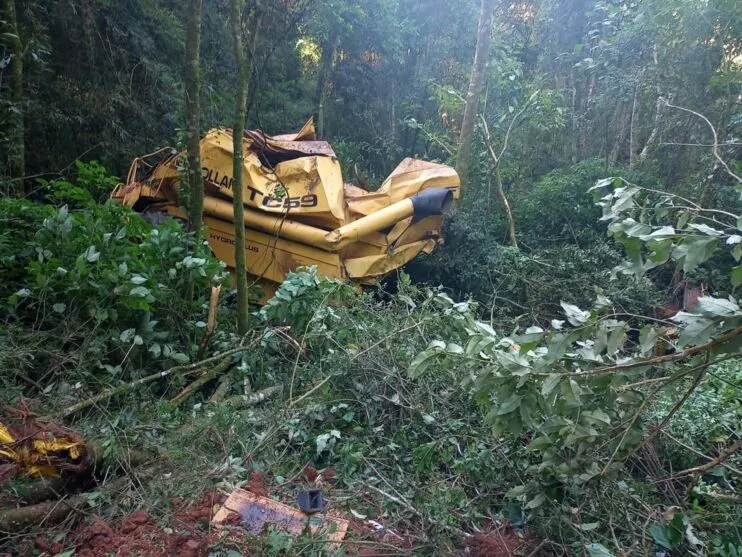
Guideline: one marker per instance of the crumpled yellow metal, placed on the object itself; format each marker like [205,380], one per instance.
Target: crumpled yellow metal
[298,210]
[34,458]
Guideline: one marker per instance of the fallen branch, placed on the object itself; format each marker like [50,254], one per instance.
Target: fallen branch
[43,514]
[54,488]
[723,455]
[225,383]
[309,392]
[186,369]
[682,355]
[52,512]
[699,453]
[254,398]
[206,376]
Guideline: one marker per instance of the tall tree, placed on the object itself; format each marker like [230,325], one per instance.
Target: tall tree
[16,149]
[481,53]
[323,81]
[193,110]
[240,108]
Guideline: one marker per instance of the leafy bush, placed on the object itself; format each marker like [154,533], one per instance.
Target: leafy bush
[103,281]
[564,254]
[90,184]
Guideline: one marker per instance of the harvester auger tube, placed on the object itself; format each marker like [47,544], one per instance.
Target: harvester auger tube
[427,203]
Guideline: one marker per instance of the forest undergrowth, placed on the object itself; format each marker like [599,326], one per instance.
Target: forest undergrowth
[382,400]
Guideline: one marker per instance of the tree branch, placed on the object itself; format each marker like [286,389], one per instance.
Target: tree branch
[692,351]
[715,146]
[723,455]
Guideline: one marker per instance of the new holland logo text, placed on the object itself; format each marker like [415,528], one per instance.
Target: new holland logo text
[257,196]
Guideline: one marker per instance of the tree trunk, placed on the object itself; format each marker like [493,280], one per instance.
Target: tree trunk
[193,110]
[655,131]
[16,149]
[624,118]
[506,207]
[631,128]
[657,113]
[240,108]
[481,53]
[328,54]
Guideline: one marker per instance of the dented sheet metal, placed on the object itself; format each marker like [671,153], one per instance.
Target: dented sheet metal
[293,191]
[38,449]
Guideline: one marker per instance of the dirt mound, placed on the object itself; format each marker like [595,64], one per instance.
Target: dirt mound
[500,542]
[188,535]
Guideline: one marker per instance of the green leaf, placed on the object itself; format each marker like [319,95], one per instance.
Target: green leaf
[59,308]
[92,254]
[540,443]
[706,229]
[571,392]
[422,457]
[598,550]
[675,530]
[648,338]
[697,329]
[736,276]
[453,348]
[670,536]
[536,501]
[694,250]
[713,307]
[616,339]
[510,405]
[136,279]
[575,315]
[550,383]
[139,292]
[179,357]
[597,415]
[420,364]
[127,336]
[659,234]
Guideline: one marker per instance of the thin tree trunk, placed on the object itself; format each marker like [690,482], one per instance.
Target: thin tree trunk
[394,111]
[240,266]
[657,113]
[16,150]
[655,131]
[506,207]
[631,128]
[623,119]
[193,113]
[481,53]
[323,82]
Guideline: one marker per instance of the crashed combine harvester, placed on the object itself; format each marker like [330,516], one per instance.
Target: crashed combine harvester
[298,211]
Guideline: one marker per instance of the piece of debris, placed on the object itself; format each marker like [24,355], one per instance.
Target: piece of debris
[312,501]
[34,448]
[256,512]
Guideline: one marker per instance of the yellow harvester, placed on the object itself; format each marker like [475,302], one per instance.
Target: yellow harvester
[298,210]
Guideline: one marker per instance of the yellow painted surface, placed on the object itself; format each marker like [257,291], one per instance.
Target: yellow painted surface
[298,211]
[36,457]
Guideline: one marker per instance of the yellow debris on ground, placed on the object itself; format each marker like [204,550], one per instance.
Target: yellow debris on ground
[35,449]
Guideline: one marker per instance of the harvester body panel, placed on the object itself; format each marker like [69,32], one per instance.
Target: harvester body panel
[298,210]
